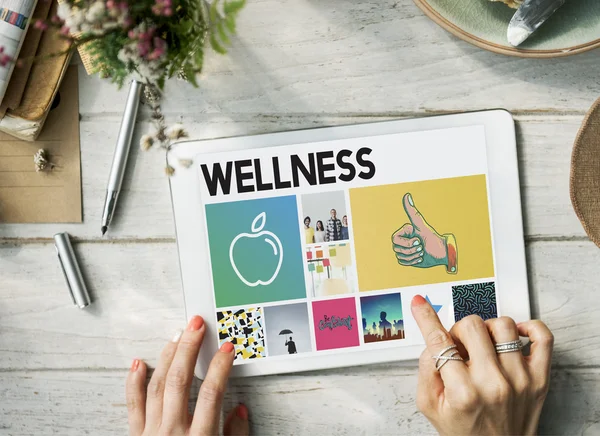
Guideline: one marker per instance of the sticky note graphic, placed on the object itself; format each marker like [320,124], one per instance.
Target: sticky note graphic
[332,252]
[309,255]
[319,268]
[319,254]
[311,267]
[325,262]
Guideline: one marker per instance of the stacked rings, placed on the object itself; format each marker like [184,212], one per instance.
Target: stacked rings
[444,359]
[509,347]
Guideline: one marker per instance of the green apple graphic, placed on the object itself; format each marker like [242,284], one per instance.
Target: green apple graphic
[259,236]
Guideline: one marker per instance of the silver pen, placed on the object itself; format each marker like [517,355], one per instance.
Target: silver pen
[121,152]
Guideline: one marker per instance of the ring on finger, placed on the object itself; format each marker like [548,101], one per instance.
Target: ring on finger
[509,347]
[444,358]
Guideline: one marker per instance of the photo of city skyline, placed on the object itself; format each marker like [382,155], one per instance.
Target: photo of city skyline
[382,318]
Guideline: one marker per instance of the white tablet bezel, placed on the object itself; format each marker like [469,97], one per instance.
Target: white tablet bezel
[505,199]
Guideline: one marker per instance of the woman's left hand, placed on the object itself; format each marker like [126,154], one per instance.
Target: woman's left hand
[162,406]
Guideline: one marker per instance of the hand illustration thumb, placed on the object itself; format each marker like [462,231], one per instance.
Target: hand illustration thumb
[413,213]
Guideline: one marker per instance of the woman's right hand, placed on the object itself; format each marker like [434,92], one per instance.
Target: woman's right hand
[489,393]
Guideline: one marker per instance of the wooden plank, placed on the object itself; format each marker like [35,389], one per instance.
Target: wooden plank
[144,209]
[359,57]
[373,400]
[138,304]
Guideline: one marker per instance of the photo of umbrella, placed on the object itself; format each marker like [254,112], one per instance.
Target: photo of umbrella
[285,332]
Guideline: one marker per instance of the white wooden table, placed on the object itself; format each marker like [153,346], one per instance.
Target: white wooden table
[294,64]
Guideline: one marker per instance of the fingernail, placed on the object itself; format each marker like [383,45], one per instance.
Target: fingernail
[135,365]
[420,260]
[417,242]
[410,200]
[177,336]
[195,323]
[419,248]
[418,300]
[242,412]
[227,347]
[453,269]
[421,254]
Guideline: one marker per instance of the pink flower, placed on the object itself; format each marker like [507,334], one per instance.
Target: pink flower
[39,24]
[110,4]
[5,60]
[64,30]
[56,20]
[143,48]
[160,44]
[160,48]
[163,7]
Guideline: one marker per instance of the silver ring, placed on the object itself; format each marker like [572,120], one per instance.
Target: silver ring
[509,347]
[444,359]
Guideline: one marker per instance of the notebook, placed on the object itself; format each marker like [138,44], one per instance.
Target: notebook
[305,248]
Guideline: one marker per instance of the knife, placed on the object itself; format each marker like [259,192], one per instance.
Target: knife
[529,17]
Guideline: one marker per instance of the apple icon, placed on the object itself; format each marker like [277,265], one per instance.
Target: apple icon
[258,236]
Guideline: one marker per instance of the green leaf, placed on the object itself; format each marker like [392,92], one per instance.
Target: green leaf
[214,12]
[216,45]
[185,26]
[230,23]
[233,7]
[199,58]
[223,32]
[190,74]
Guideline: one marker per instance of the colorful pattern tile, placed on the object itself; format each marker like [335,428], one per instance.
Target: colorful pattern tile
[243,328]
[476,299]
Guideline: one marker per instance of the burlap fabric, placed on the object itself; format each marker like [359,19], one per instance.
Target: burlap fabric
[585,174]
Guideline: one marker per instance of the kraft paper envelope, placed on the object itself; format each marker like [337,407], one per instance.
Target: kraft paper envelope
[53,196]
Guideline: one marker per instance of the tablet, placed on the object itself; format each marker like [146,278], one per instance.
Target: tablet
[305,248]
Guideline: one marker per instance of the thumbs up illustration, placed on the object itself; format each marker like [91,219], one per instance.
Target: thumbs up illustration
[419,245]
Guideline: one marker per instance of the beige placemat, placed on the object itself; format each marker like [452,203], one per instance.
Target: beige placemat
[585,174]
[47,197]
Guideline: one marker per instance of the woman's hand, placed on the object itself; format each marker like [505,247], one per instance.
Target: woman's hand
[489,393]
[162,406]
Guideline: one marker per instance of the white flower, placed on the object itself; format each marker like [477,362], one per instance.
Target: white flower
[85,27]
[75,19]
[108,25]
[186,163]
[148,71]
[95,12]
[146,142]
[176,132]
[123,55]
[64,11]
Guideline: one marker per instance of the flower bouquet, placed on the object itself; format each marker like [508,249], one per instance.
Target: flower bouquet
[148,41]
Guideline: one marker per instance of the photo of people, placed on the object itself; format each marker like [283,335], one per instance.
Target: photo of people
[287,329]
[382,318]
[330,270]
[325,217]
